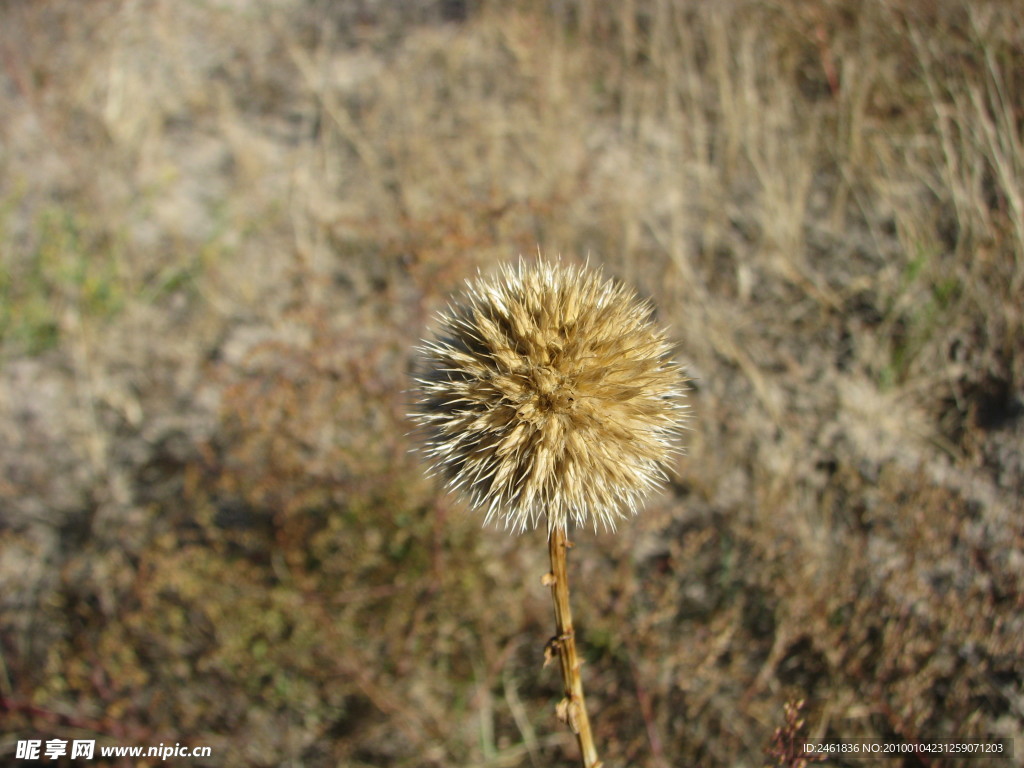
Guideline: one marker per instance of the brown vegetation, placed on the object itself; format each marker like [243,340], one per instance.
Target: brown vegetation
[223,228]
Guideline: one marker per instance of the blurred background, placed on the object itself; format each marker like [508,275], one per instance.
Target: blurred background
[224,225]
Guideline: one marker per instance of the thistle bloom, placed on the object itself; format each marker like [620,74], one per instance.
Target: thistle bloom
[549,392]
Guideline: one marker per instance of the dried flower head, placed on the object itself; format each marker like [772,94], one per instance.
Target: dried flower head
[548,392]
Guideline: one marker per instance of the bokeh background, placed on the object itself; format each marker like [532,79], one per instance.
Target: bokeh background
[224,225]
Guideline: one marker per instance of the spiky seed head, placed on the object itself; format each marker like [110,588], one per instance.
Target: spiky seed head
[548,392]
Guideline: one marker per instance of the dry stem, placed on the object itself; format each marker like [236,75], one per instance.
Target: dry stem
[572,709]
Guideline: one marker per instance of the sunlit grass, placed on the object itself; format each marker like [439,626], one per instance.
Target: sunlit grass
[223,231]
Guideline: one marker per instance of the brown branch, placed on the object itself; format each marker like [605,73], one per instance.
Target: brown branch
[572,709]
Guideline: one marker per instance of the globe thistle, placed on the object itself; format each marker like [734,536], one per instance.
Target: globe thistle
[548,392]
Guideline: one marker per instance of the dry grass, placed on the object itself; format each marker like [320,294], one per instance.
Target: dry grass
[223,227]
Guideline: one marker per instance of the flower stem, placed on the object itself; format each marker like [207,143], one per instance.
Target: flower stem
[572,709]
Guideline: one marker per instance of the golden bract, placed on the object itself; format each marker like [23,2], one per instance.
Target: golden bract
[548,391]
